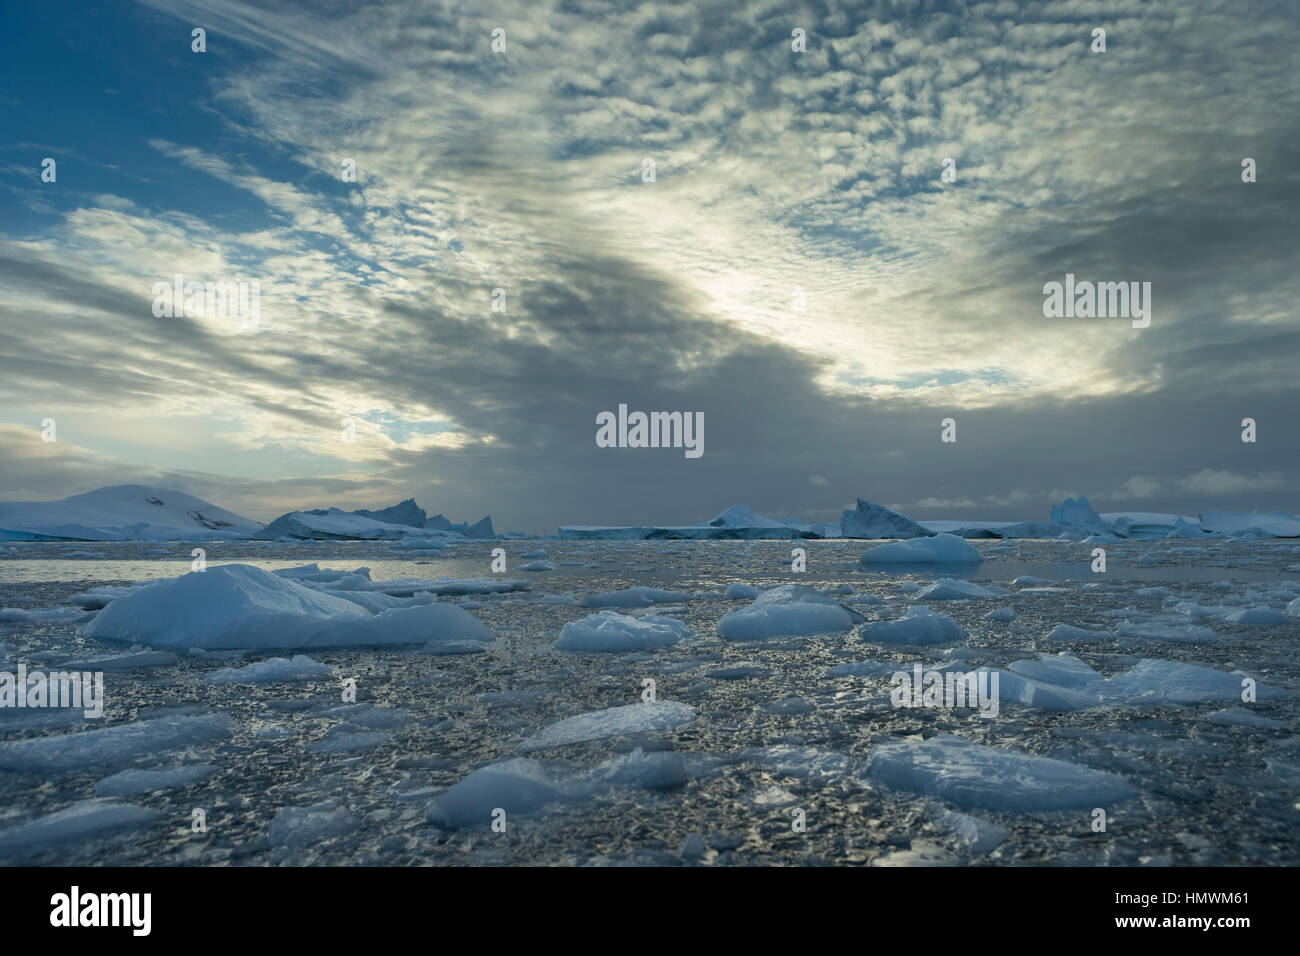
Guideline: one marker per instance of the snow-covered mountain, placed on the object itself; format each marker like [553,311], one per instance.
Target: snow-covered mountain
[122,513]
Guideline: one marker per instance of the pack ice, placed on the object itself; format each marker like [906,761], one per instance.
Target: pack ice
[980,777]
[785,611]
[240,606]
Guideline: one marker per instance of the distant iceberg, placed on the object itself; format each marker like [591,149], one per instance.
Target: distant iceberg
[122,513]
[870,520]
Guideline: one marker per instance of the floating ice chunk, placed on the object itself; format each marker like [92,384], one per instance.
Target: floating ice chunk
[610,631]
[639,596]
[919,625]
[516,786]
[1261,616]
[1063,670]
[976,776]
[86,820]
[1153,681]
[979,836]
[946,589]
[300,667]
[1029,581]
[115,745]
[657,770]
[540,553]
[239,606]
[806,763]
[130,783]
[919,853]
[1068,632]
[1239,716]
[788,610]
[295,826]
[1002,614]
[1168,628]
[613,722]
[941,549]
[746,591]
[537,566]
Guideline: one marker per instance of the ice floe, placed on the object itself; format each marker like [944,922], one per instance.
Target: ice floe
[610,631]
[976,776]
[612,722]
[919,625]
[940,549]
[788,610]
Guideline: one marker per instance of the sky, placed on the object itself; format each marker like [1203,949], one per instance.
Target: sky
[800,271]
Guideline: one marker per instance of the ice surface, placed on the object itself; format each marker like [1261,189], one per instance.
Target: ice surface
[657,770]
[741,591]
[130,783]
[976,776]
[114,745]
[18,615]
[613,722]
[610,631]
[86,820]
[121,662]
[788,610]
[1238,716]
[1001,614]
[940,549]
[919,625]
[516,786]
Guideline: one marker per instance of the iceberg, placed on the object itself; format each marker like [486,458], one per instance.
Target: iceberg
[788,610]
[946,589]
[919,625]
[940,549]
[1274,524]
[122,513]
[239,606]
[517,786]
[870,520]
[612,632]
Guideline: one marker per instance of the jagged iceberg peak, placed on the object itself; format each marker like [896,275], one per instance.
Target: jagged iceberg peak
[405,512]
[870,520]
[1077,511]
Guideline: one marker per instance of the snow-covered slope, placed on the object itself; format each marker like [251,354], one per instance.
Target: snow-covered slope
[122,513]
